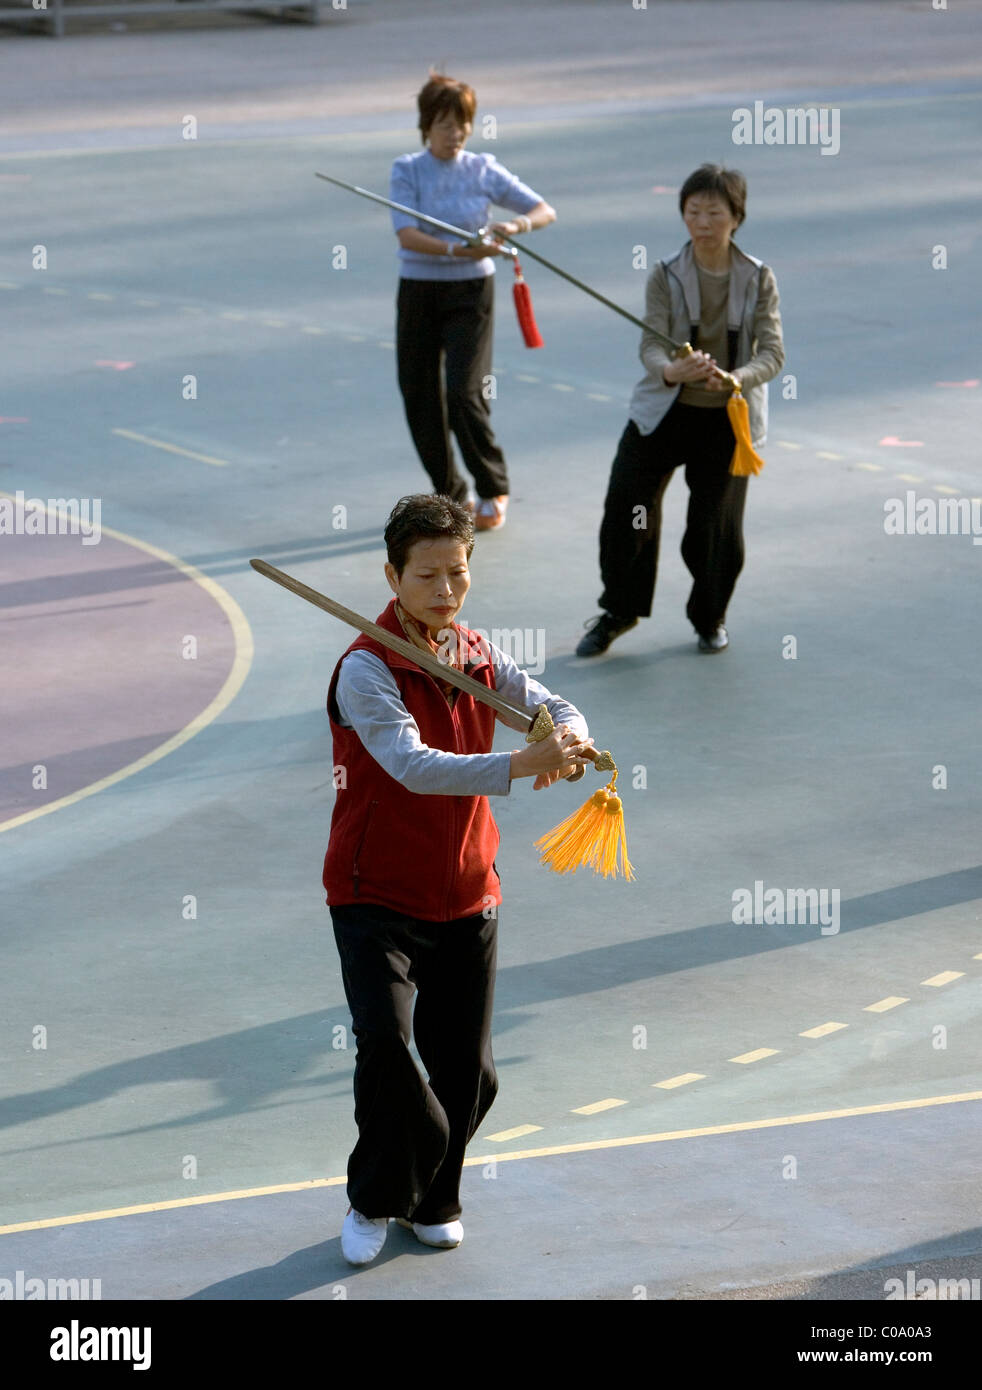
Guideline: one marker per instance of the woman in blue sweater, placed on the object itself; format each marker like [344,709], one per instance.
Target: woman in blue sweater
[445,306]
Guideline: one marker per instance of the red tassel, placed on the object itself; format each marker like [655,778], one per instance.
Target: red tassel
[523,308]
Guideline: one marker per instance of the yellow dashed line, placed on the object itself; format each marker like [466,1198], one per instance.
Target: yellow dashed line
[384,343]
[909,477]
[523,376]
[228,314]
[515,1133]
[871,467]
[172,448]
[274,323]
[93,294]
[787,444]
[191,309]
[355,337]
[943,487]
[822,1030]
[977,956]
[824,454]
[891,1002]
[945,978]
[308,328]
[683,1079]
[46,289]
[561,386]
[597,1106]
[756,1056]
[595,396]
[148,303]
[8,285]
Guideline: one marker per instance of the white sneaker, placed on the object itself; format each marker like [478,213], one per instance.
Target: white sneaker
[362,1237]
[445,1236]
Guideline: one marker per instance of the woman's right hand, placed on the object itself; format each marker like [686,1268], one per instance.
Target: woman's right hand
[477,253]
[696,366]
[559,752]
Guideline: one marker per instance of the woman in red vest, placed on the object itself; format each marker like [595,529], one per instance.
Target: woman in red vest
[411,880]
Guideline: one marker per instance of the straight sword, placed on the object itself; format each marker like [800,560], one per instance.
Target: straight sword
[539,726]
[480,238]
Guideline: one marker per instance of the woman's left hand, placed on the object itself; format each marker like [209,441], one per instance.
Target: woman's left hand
[719,381]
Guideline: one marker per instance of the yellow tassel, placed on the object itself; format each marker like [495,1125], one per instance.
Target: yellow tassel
[745,460]
[592,835]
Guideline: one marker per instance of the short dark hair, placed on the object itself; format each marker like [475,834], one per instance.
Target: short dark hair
[443,94]
[425,517]
[728,184]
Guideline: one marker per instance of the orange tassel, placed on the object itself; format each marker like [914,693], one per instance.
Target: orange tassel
[593,835]
[523,308]
[745,460]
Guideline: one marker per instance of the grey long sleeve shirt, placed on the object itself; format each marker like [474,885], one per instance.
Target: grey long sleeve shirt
[369,702]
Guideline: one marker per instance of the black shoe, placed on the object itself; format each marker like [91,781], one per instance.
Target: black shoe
[602,632]
[716,641]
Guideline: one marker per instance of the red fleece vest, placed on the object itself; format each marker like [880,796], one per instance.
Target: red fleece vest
[428,856]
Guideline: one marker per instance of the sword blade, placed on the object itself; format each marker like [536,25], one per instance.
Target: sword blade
[425,660]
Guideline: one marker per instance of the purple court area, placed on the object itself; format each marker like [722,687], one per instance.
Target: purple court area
[94,673]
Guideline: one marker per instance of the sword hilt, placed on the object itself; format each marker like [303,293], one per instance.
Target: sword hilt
[542,726]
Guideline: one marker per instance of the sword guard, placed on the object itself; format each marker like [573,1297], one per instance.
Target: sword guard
[542,726]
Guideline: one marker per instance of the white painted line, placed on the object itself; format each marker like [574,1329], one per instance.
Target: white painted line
[515,1133]
[787,444]
[309,328]
[909,477]
[943,487]
[822,1030]
[871,467]
[95,295]
[824,454]
[596,396]
[561,386]
[522,376]
[597,1106]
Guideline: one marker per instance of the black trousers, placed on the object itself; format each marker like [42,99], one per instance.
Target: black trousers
[412,1132]
[444,334]
[701,439]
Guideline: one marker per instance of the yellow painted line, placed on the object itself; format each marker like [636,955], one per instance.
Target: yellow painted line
[274,323]
[586,1146]
[148,303]
[977,956]
[945,978]
[308,328]
[683,1079]
[94,294]
[824,454]
[522,376]
[787,444]
[242,661]
[596,396]
[169,1206]
[8,285]
[515,1133]
[53,290]
[871,467]
[943,487]
[891,1002]
[355,337]
[909,477]
[561,386]
[597,1106]
[172,448]
[227,314]
[822,1030]
[746,1057]
[384,343]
